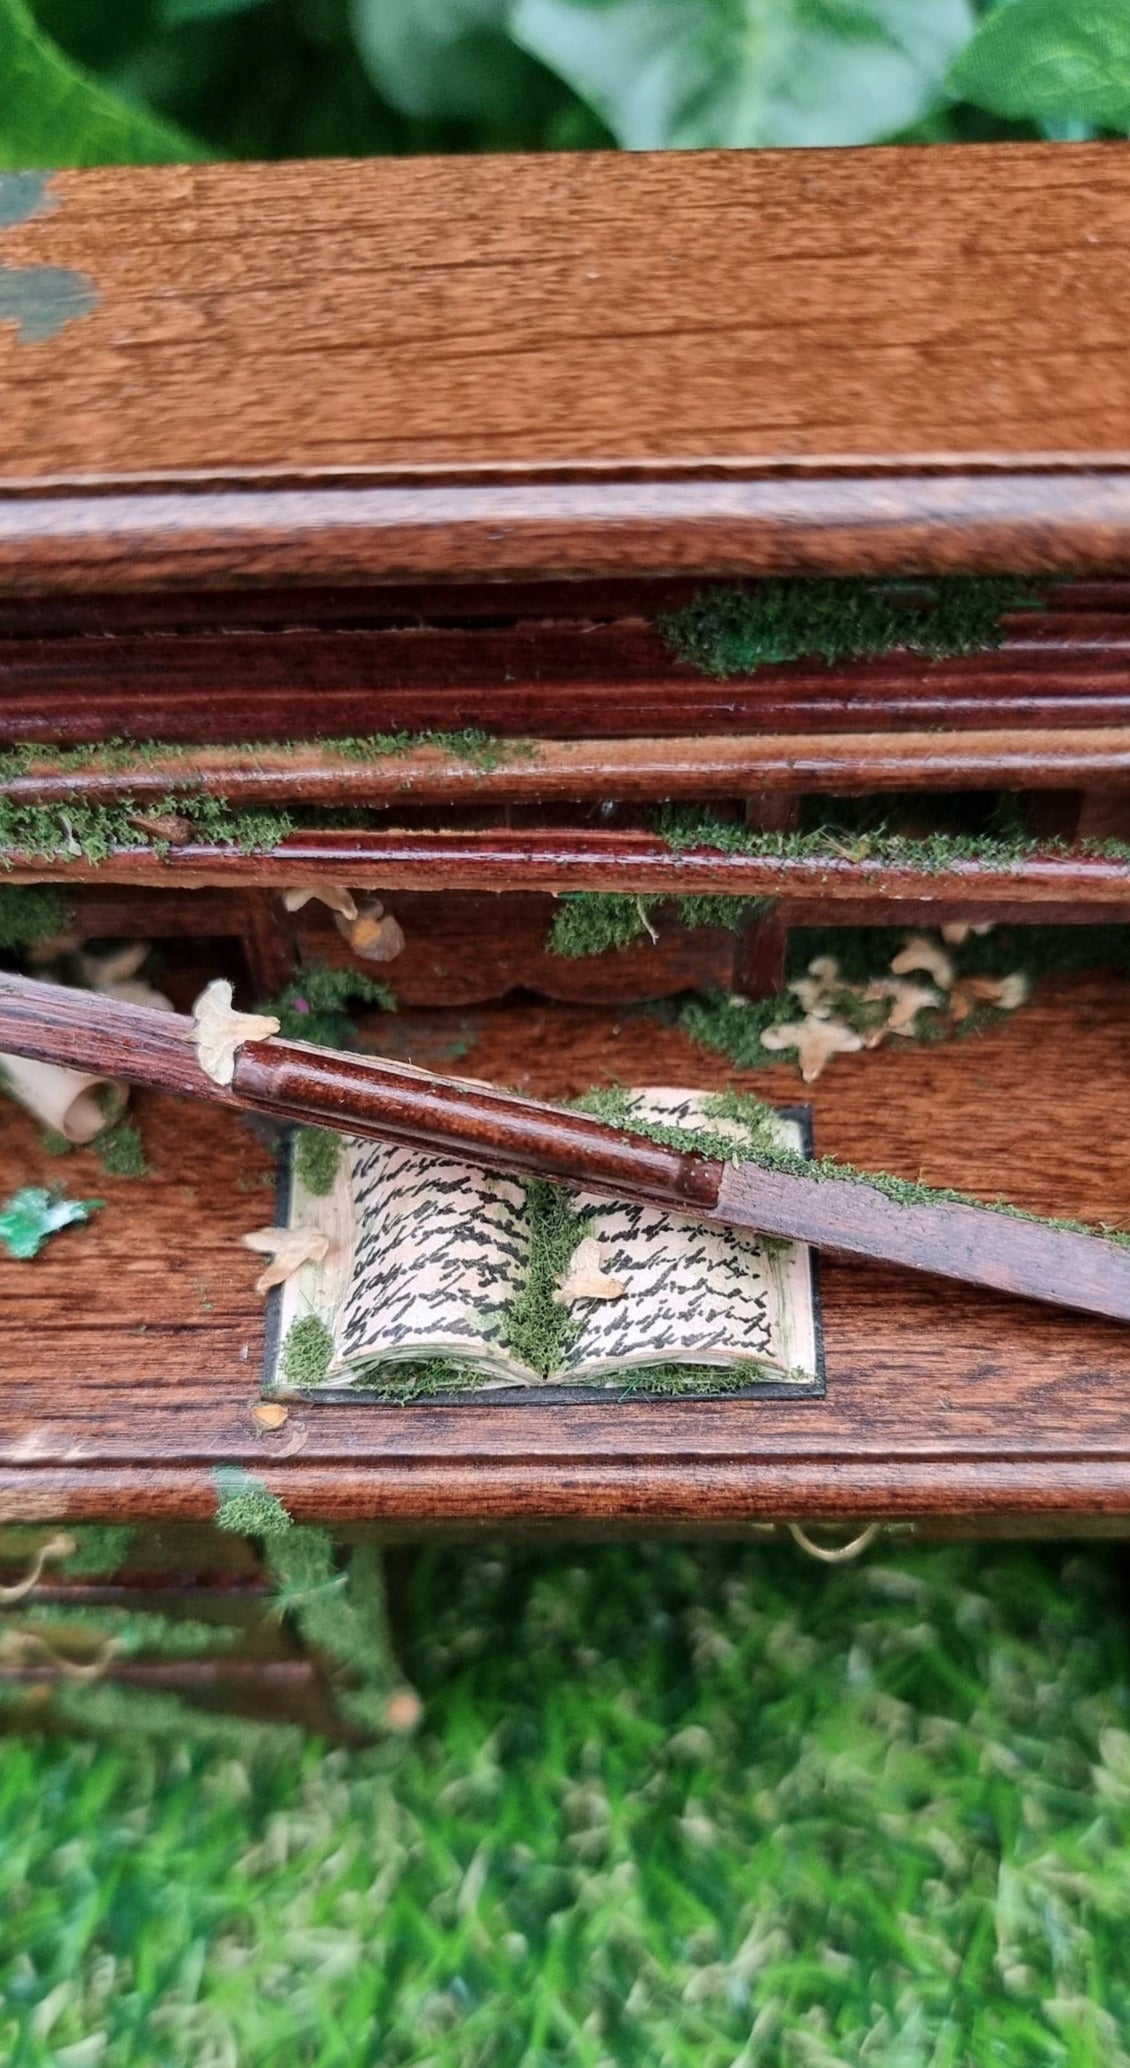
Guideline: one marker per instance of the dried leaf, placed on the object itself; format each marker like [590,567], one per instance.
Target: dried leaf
[959,930]
[815,1040]
[162,825]
[115,966]
[373,933]
[826,970]
[269,1414]
[221,1032]
[585,1277]
[921,952]
[1005,993]
[288,1249]
[334,895]
[907,1000]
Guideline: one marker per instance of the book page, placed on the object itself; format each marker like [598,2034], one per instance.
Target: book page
[440,1251]
[694,1293]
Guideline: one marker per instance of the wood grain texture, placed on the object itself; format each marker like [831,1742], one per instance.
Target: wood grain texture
[584,660]
[384,1100]
[593,770]
[552,366]
[564,859]
[132,1347]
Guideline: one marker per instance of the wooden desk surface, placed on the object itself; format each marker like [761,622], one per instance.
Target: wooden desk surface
[132,1348]
[715,362]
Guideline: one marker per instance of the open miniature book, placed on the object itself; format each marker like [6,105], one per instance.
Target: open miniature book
[526,1284]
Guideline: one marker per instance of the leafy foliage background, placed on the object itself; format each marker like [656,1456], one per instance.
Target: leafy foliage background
[87,82]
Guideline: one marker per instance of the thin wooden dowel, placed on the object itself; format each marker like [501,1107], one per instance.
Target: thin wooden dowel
[632,769]
[634,863]
[383,1100]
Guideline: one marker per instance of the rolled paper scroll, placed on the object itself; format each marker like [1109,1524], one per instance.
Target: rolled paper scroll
[75,1106]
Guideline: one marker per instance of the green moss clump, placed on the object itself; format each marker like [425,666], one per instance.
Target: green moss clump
[685,828]
[121,1151]
[30,912]
[538,1329]
[733,1026]
[589,922]
[313,1007]
[77,831]
[616,1106]
[484,750]
[340,1611]
[245,1506]
[51,1141]
[102,1548]
[728,631]
[306,1351]
[317,1153]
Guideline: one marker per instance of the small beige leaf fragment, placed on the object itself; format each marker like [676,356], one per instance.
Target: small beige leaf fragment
[334,895]
[907,1000]
[819,990]
[826,970]
[270,1414]
[959,930]
[221,1031]
[585,1277]
[1013,991]
[169,826]
[1005,993]
[816,1041]
[288,1249]
[921,952]
[115,975]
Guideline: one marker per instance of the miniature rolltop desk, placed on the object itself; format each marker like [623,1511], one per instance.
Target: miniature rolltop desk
[367,532]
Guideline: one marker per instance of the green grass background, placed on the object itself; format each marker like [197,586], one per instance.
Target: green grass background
[677,1806]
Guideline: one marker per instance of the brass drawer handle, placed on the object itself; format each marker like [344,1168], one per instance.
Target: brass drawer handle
[54,1548]
[834,1554]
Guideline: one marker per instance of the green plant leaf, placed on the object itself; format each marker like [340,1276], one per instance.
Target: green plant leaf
[52,113]
[173,12]
[689,73]
[30,1216]
[1046,60]
[442,57]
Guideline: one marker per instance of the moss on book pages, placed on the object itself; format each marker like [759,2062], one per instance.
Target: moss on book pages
[734,631]
[317,1155]
[538,1329]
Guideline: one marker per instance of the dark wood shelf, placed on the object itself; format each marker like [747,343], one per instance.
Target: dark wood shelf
[132,1348]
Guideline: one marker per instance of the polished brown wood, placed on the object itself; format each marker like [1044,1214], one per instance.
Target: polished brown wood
[133,1346]
[451,369]
[582,660]
[362,1095]
[507,858]
[836,764]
